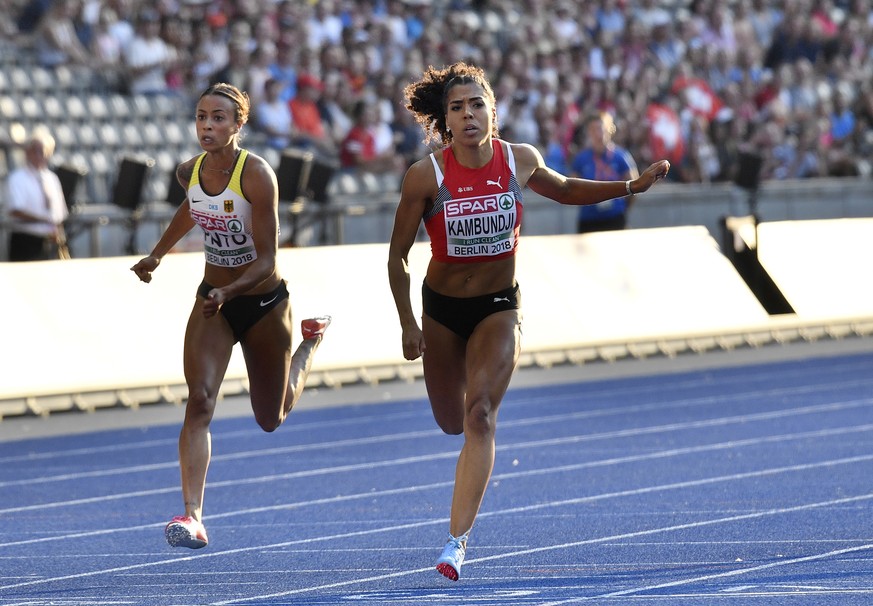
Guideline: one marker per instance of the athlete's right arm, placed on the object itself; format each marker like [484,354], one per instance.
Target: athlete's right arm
[414,193]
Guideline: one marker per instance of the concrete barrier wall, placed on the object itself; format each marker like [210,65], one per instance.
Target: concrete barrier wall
[90,325]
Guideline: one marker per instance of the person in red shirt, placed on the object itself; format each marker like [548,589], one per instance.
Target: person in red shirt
[362,149]
[469,196]
[307,115]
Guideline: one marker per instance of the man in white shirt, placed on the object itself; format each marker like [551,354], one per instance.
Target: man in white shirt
[147,58]
[36,203]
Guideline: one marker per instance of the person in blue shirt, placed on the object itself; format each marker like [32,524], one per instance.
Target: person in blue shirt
[602,160]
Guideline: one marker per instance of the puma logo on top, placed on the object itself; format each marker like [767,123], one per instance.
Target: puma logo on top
[493,182]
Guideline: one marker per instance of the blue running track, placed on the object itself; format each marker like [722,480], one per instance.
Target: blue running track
[739,485]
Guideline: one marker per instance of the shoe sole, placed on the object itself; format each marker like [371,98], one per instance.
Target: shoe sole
[447,571]
[179,536]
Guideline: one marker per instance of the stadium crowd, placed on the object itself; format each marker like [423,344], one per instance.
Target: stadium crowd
[695,82]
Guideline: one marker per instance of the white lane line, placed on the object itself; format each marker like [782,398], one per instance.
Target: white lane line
[516,510]
[673,452]
[618,537]
[286,450]
[534,420]
[719,575]
[126,447]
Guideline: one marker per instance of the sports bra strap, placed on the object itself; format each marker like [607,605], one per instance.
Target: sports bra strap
[510,157]
[436,169]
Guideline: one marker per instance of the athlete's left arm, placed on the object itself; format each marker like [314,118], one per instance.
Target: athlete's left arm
[531,170]
[262,191]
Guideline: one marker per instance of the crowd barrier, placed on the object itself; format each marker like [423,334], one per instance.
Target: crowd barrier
[86,333]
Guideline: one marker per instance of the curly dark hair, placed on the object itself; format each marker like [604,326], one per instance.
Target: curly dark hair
[426,98]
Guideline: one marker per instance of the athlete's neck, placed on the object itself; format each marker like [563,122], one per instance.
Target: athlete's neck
[474,156]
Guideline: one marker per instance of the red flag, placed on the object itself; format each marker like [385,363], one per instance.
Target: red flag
[698,96]
[665,133]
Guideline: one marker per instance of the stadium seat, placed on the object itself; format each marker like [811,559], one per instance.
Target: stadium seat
[75,108]
[31,109]
[345,184]
[97,107]
[42,80]
[109,135]
[19,79]
[53,109]
[9,108]
[152,135]
[131,137]
[174,134]
[119,107]
[64,79]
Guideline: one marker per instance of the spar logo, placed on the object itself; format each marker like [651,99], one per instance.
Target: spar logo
[472,206]
[213,223]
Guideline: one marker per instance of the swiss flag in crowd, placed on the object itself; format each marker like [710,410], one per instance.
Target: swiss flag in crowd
[665,133]
[698,96]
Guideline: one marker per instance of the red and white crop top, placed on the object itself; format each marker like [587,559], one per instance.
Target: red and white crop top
[476,215]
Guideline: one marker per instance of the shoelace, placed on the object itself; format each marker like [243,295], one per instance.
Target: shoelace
[460,541]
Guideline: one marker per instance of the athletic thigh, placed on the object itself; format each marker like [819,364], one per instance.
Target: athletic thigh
[208,347]
[492,355]
[267,351]
[444,374]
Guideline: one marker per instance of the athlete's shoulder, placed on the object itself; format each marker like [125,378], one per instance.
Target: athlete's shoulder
[420,169]
[185,169]
[257,165]
[420,180]
[524,151]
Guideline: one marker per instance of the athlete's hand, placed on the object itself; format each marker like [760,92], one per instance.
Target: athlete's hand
[650,176]
[413,343]
[144,268]
[213,302]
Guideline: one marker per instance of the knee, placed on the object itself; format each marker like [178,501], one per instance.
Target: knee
[480,418]
[269,423]
[451,427]
[199,410]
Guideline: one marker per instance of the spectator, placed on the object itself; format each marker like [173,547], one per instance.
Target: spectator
[284,69]
[272,116]
[602,160]
[369,145]
[148,58]
[259,69]
[702,160]
[841,160]
[549,141]
[665,46]
[335,99]
[799,155]
[824,43]
[238,68]
[307,116]
[106,50]
[36,203]
[56,40]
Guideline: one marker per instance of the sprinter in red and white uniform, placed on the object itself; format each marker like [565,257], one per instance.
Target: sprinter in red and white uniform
[469,196]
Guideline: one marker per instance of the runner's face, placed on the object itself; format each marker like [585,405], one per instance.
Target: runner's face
[216,123]
[468,113]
